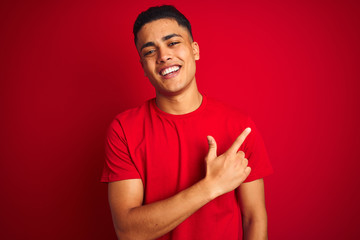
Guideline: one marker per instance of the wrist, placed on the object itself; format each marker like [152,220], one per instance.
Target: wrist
[208,189]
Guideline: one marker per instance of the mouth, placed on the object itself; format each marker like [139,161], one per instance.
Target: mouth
[168,71]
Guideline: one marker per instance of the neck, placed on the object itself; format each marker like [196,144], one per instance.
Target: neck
[179,104]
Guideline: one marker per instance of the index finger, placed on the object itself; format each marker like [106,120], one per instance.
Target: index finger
[239,140]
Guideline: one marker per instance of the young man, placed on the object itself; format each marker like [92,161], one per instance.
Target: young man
[182,165]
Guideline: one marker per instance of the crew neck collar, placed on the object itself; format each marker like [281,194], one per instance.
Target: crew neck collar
[190,114]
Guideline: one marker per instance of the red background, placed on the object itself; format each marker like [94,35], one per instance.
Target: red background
[68,67]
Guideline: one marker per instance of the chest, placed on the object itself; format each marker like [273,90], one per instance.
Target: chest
[170,155]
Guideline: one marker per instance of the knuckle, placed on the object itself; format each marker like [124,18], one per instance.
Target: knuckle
[242,137]
[212,146]
[227,154]
[241,154]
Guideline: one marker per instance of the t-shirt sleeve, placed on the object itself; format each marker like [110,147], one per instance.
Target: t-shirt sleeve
[255,152]
[118,163]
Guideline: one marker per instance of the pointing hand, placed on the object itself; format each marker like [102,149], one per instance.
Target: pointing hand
[227,171]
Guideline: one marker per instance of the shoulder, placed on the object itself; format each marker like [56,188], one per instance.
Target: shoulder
[135,113]
[131,116]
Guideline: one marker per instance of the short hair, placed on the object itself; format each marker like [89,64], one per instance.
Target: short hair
[160,12]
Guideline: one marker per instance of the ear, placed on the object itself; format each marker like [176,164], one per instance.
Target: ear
[196,50]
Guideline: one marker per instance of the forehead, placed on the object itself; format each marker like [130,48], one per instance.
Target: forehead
[155,30]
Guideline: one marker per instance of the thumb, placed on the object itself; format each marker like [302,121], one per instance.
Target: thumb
[212,148]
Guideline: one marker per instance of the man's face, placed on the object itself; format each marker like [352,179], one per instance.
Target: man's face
[167,55]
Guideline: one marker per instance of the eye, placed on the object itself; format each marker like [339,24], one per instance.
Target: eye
[173,43]
[149,52]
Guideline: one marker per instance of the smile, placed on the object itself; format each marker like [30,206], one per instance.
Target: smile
[169,70]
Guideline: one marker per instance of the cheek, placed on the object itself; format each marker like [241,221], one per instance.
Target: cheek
[146,65]
[189,58]
[183,53]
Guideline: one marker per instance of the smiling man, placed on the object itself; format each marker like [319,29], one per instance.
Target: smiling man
[182,165]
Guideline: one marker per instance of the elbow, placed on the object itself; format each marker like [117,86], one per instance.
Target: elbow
[259,218]
[255,227]
[123,234]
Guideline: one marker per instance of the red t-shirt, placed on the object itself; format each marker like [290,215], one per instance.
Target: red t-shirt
[167,153]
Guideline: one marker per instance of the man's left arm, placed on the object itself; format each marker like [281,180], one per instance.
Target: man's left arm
[252,204]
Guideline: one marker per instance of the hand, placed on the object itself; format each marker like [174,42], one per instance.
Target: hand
[227,171]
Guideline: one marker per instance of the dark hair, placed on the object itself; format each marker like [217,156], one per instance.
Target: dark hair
[160,12]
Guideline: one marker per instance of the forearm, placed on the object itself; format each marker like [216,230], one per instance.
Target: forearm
[132,220]
[156,219]
[255,228]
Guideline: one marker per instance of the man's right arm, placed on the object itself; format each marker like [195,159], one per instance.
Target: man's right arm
[132,220]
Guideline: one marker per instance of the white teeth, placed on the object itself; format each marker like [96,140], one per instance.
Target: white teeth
[170,70]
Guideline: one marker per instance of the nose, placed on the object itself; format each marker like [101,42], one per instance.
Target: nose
[163,55]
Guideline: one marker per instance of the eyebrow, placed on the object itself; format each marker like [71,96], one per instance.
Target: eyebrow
[167,37]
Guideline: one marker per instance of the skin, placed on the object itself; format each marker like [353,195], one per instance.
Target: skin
[164,43]
[179,94]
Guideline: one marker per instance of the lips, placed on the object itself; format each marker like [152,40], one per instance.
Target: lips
[168,70]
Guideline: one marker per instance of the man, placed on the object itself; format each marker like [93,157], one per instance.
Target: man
[177,167]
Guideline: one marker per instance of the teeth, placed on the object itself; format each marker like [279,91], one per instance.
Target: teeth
[170,70]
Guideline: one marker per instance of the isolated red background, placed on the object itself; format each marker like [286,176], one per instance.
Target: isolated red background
[68,67]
